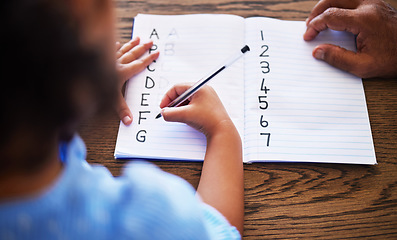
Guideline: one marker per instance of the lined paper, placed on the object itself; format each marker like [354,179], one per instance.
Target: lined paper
[190,47]
[315,113]
[312,112]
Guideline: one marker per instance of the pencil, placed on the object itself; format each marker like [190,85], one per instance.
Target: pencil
[193,89]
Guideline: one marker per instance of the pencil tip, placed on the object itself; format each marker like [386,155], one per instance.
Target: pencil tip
[158,116]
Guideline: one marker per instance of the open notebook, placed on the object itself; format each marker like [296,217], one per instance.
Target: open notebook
[286,105]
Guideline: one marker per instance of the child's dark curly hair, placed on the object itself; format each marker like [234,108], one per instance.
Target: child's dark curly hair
[43,66]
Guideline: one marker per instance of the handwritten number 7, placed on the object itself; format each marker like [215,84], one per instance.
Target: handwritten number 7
[268,138]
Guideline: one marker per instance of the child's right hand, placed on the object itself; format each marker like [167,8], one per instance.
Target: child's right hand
[222,178]
[204,111]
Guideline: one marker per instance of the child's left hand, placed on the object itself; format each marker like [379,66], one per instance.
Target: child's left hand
[129,63]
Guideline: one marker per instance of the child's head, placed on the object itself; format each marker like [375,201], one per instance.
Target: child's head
[57,67]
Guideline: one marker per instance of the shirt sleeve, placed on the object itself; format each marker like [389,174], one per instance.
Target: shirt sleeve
[217,225]
[159,205]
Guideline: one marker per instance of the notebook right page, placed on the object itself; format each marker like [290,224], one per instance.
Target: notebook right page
[298,109]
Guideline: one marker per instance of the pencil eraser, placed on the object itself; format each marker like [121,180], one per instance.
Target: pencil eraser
[245,49]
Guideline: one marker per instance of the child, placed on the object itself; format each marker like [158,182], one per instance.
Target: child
[58,68]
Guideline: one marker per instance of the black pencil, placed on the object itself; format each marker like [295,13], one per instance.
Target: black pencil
[192,90]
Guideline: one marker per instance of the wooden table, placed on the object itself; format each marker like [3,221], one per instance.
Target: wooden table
[283,200]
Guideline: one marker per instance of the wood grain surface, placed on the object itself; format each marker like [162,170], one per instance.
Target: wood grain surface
[285,200]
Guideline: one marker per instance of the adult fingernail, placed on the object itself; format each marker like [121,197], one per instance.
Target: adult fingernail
[126,120]
[319,54]
[306,21]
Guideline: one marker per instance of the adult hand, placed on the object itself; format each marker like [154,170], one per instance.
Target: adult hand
[129,63]
[374,23]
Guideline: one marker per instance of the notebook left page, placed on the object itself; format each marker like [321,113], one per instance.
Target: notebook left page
[190,47]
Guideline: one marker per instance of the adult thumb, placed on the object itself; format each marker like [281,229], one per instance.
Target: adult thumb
[342,58]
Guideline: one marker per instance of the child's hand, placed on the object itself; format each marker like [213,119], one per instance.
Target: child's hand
[203,111]
[128,64]
[222,178]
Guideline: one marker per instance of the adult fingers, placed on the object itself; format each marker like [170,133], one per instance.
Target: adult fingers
[323,5]
[173,93]
[333,18]
[135,67]
[124,111]
[135,53]
[357,63]
[127,47]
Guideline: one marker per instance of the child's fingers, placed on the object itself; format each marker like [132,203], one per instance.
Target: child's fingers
[124,111]
[173,93]
[118,46]
[127,47]
[135,53]
[135,67]
[178,114]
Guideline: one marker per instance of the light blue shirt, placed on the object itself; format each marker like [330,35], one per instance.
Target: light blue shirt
[87,202]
